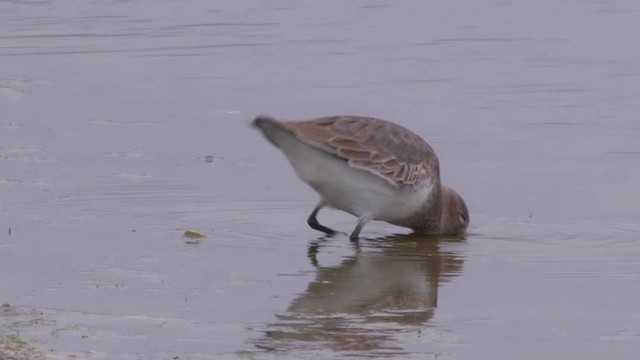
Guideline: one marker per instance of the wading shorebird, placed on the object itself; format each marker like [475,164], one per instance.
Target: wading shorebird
[370,168]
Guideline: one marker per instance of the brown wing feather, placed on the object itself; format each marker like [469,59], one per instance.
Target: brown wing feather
[381,147]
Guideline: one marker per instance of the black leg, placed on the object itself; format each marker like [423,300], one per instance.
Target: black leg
[313,221]
[361,222]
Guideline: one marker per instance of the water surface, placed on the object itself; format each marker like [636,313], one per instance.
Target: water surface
[125,123]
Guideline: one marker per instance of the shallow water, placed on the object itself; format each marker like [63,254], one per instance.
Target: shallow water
[124,123]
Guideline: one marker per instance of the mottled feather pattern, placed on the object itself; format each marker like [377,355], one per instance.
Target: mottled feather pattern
[380,147]
[384,149]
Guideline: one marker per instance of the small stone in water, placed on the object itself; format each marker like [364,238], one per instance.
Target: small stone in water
[194,236]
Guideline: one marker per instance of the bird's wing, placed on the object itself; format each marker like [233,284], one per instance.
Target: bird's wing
[385,149]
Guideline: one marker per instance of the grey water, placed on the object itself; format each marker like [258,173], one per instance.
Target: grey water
[125,123]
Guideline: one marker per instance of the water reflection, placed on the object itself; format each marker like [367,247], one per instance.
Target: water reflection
[387,288]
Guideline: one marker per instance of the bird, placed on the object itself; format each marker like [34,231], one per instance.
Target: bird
[370,168]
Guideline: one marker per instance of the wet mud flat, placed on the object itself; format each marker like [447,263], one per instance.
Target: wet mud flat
[124,125]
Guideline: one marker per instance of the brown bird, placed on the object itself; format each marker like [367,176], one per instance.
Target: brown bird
[370,168]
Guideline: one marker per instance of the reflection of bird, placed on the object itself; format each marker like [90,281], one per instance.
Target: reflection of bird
[395,282]
[370,168]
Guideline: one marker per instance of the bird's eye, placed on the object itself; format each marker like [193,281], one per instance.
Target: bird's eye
[462,219]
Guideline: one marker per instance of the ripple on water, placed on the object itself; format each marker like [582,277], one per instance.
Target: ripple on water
[573,249]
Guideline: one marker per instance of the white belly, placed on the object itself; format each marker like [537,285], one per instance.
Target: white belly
[355,191]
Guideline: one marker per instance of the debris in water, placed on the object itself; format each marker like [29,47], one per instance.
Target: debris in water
[15,348]
[194,237]
[195,234]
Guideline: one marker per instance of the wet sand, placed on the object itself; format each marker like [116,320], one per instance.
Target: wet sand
[124,124]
